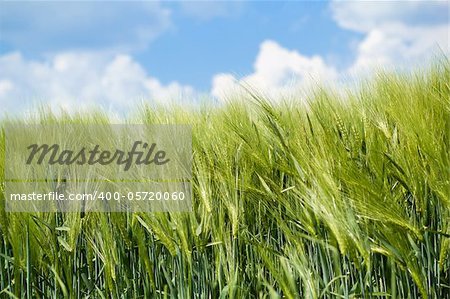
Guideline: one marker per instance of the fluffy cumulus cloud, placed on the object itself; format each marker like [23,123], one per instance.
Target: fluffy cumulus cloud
[396,32]
[364,16]
[74,81]
[277,71]
[400,45]
[60,26]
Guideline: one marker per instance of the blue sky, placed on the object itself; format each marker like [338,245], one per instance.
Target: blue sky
[58,52]
[197,49]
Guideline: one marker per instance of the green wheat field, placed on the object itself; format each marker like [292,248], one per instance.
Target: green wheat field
[341,195]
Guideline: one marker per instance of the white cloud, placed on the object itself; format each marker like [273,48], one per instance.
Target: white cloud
[277,71]
[74,81]
[224,85]
[5,87]
[400,46]
[397,33]
[364,16]
[52,26]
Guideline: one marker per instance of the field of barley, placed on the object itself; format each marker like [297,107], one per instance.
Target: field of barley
[340,195]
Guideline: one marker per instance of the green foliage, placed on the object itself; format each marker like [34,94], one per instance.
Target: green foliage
[336,197]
